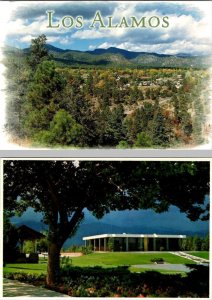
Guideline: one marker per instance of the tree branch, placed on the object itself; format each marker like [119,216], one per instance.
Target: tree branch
[56,199]
[71,225]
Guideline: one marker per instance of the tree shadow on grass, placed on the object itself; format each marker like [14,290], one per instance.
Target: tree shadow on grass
[30,269]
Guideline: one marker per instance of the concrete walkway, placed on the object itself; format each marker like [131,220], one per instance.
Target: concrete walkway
[165,266]
[14,288]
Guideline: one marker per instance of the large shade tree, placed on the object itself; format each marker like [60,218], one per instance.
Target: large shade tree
[61,190]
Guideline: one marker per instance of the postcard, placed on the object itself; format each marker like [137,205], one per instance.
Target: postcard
[105,228]
[106,75]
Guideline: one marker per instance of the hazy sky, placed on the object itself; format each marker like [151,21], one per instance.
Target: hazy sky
[189,30]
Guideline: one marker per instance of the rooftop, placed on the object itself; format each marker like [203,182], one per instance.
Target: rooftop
[154,235]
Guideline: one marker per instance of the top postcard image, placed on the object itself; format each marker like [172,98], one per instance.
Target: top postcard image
[106,75]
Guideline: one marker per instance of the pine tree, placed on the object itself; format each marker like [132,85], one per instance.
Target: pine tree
[38,51]
[42,99]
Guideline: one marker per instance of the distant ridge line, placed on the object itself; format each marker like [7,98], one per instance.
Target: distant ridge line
[113,57]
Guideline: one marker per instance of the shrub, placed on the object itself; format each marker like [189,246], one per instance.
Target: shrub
[119,282]
[74,248]
[122,145]
[65,261]
[157,260]
[86,250]
[143,140]
[26,277]
[110,244]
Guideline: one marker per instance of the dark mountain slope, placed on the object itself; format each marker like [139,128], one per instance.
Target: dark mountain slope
[171,222]
[125,53]
[119,57]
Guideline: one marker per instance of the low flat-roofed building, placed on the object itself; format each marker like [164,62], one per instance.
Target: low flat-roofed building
[134,242]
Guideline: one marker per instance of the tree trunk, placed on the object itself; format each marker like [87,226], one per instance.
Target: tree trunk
[53,268]
[58,234]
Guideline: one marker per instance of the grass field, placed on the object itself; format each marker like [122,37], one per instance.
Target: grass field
[25,268]
[122,258]
[202,254]
[104,260]
[41,269]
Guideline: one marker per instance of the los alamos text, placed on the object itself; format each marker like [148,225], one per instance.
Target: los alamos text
[99,22]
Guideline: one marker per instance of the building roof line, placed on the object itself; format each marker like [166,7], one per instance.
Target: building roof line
[154,235]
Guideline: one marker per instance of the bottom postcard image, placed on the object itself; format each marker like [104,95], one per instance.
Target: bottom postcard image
[106,228]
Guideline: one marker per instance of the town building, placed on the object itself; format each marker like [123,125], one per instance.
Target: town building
[134,242]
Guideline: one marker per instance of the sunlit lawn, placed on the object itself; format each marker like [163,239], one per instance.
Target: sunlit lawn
[202,254]
[104,260]
[26,268]
[124,258]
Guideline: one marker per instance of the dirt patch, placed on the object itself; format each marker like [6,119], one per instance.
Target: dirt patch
[71,254]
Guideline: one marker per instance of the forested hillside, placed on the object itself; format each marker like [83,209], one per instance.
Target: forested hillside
[51,103]
[115,57]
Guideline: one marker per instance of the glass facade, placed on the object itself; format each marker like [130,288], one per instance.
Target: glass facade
[134,244]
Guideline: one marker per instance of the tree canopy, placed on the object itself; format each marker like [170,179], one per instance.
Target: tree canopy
[102,186]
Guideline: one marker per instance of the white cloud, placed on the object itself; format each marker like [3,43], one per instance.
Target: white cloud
[185,34]
[89,34]
[92,47]
[26,38]
[174,48]
[184,31]
[65,41]
[106,45]
[36,27]
[188,28]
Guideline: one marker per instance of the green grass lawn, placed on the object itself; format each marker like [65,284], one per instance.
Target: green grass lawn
[122,258]
[102,259]
[202,254]
[26,268]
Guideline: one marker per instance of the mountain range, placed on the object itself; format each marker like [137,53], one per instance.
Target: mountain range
[141,221]
[119,57]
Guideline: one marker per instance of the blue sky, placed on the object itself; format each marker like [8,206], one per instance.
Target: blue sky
[189,30]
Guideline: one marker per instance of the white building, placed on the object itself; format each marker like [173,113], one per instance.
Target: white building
[134,242]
